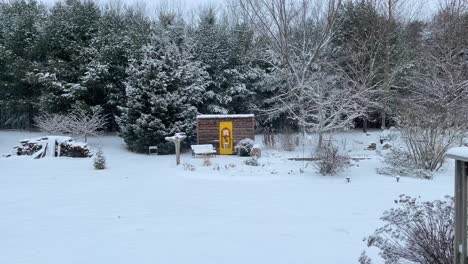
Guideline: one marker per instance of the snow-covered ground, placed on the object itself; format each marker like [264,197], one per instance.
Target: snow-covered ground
[144,209]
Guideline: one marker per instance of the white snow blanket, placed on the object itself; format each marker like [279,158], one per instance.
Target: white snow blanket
[145,209]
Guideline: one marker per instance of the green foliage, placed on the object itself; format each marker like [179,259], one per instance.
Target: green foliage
[99,160]
[244,147]
[164,89]
[153,75]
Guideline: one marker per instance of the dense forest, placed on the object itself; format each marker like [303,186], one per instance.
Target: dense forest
[294,64]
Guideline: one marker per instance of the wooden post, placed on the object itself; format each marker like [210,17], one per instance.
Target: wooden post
[460,154]
[460,212]
[177,151]
[176,139]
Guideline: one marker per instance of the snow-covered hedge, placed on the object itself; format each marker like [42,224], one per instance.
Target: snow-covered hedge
[244,147]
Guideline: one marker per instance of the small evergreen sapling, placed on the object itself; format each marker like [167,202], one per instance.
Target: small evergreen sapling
[99,160]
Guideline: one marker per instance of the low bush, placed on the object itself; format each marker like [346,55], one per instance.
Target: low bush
[399,162]
[416,232]
[244,147]
[330,160]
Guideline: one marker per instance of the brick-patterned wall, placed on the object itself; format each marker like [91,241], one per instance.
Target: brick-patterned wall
[208,129]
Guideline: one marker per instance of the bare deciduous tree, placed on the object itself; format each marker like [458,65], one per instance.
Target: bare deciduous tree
[52,124]
[434,114]
[298,32]
[86,123]
[77,122]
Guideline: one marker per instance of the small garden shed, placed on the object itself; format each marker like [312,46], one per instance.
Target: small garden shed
[225,131]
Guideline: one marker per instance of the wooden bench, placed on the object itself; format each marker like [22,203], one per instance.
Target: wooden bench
[203,150]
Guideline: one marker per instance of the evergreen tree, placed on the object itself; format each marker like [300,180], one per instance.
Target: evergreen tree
[164,88]
[226,56]
[21,26]
[121,32]
[99,160]
[69,36]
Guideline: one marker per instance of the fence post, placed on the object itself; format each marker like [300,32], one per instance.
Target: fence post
[460,155]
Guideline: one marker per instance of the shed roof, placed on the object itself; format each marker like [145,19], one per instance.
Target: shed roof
[458,153]
[226,116]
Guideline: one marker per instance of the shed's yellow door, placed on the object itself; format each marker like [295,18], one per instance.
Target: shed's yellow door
[225,138]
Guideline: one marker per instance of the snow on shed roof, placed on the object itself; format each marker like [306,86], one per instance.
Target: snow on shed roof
[458,153]
[226,116]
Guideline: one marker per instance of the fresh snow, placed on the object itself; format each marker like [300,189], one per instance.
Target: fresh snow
[460,153]
[144,209]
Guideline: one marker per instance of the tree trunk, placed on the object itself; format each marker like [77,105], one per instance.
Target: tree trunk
[177,149]
[320,141]
[387,63]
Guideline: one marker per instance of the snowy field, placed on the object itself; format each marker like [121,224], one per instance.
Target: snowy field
[144,209]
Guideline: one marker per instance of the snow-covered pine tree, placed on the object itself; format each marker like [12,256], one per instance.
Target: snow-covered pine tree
[164,88]
[21,26]
[99,160]
[122,30]
[224,49]
[68,36]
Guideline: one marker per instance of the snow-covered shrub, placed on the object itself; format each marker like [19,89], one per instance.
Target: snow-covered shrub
[427,147]
[252,162]
[417,232]
[431,121]
[287,140]
[364,259]
[256,151]
[399,162]
[330,160]
[244,147]
[390,134]
[99,160]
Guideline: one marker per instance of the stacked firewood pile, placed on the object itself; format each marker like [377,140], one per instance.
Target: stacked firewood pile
[71,149]
[52,146]
[27,148]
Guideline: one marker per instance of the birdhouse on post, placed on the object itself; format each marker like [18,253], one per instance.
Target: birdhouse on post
[460,155]
[176,139]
